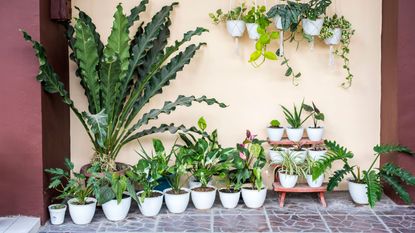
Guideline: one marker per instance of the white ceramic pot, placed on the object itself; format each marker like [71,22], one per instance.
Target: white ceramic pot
[315,183]
[276,155]
[335,38]
[57,216]
[236,28]
[287,181]
[312,27]
[295,134]
[177,203]
[254,198]
[275,134]
[298,156]
[229,200]
[358,192]
[194,184]
[82,214]
[203,200]
[114,211]
[252,31]
[316,155]
[315,134]
[151,205]
[278,22]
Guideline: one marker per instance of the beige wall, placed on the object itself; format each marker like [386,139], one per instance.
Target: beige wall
[254,95]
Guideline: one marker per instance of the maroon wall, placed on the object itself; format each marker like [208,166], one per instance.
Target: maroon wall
[35,126]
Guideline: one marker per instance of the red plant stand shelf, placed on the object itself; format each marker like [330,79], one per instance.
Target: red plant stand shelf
[300,188]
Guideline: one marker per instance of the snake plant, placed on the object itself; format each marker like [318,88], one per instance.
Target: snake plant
[121,77]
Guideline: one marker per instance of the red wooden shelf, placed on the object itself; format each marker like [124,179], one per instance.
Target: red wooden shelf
[304,141]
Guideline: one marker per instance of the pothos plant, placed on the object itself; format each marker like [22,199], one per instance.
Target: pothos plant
[121,77]
[237,13]
[372,177]
[331,23]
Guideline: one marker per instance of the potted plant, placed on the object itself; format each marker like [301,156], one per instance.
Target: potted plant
[308,173]
[311,19]
[77,190]
[248,164]
[275,131]
[289,171]
[338,30]
[315,133]
[234,20]
[107,73]
[254,19]
[275,154]
[57,213]
[298,153]
[365,186]
[295,131]
[316,152]
[230,195]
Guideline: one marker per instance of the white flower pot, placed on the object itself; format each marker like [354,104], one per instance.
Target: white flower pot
[298,156]
[254,198]
[287,181]
[57,216]
[358,192]
[194,184]
[315,183]
[229,200]
[151,205]
[335,38]
[252,31]
[275,134]
[312,27]
[278,22]
[82,214]
[315,134]
[177,203]
[203,200]
[295,135]
[316,155]
[236,28]
[114,211]
[276,155]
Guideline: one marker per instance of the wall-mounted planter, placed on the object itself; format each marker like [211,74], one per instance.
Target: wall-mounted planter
[312,27]
[335,38]
[236,28]
[252,31]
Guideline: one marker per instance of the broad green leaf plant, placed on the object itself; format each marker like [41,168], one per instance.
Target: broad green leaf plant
[113,186]
[315,113]
[121,77]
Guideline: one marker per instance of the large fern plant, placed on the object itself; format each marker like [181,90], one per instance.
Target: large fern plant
[121,77]
[389,173]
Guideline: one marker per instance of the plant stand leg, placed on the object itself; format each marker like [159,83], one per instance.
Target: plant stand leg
[282,199]
[322,199]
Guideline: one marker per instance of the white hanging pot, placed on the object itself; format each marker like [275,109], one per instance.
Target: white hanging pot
[82,214]
[151,205]
[358,192]
[236,28]
[177,203]
[203,199]
[278,22]
[275,134]
[229,199]
[295,134]
[276,155]
[315,134]
[57,215]
[316,155]
[335,38]
[315,183]
[194,184]
[252,31]
[298,156]
[114,211]
[254,198]
[287,181]
[312,27]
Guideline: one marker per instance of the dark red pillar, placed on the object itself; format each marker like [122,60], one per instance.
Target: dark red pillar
[34,132]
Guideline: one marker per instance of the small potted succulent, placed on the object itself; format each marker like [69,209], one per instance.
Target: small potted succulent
[57,213]
[79,191]
[308,173]
[312,20]
[234,20]
[248,163]
[316,152]
[275,154]
[294,119]
[254,19]
[231,193]
[290,171]
[275,131]
[315,133]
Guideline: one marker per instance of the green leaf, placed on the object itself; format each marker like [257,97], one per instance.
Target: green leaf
[275,35]
[158,146]
[270,55]
[392,170]
[254,56]
[98,124]
[374,188]
[385,149]
[337,177]
[202,123]
[258,46]
[288,72]
[135,12]
[160,129]
[399,190]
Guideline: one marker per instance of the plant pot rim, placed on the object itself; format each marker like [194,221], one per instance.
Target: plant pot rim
[292,149]
[154,191]
[183,189]
[253,189]
[318,127]
[209,186]
[92,199]
[51,205]
[289,127]
[280,127]
[318,18]
[221,190]
[85,168]
[283,173]
[235,20]
[354,182]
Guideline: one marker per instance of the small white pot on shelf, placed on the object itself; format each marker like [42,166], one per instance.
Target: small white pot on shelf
[254,198]
[275,155]
[275,134]
[335,38]
[295,134]
[315,134]
[151,205]
[287,181]
[298,156]
[228,198]
[315,183]
[358,192]
[114,211]
[177,203]
[57,214]
[203,199]
[236,28]
[252,31]
[312,27]
[82,214]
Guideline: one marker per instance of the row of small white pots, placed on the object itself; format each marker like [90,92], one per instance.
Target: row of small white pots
[295,134]
[236,28]
[299,156]
[289,181]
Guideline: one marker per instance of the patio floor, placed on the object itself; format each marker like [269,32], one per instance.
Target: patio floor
[302,213]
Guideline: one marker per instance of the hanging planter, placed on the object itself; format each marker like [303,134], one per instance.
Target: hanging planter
[312,27]
[312,20]
[236,28]
[252,31]
[233,18]
[256,18]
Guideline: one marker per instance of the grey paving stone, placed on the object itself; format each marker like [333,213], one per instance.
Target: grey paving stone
[240,223]
[399,223]
[297,223]
[349,223]
[184,223]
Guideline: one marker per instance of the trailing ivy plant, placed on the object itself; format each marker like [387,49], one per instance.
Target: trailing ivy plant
[261,52]
[372,177]
[257,15]
[121,77]
[237,13]
[331,23]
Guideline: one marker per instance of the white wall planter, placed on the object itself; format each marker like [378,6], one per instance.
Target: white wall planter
[229,200]
[275,134]
[335,38]
[315,134]
[276,155]
[252,31]
[57,216]
[254,198]
[236,28]
[82,214]
[295,134]
[298,156]
[194,184]
[312,27]
[114,211]
[358,192]
[316,155]
[278,22]
[177,203]
[151,205]
[287,181]
[315,183]
[203,200]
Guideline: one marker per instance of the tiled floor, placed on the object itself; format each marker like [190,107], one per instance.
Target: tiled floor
[302,213]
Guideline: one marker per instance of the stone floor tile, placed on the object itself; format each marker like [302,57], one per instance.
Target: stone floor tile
[133,223]
[349,223]
[184,223]
[240,223]
[396,210]
[399,223]
[297,223]
[293,208]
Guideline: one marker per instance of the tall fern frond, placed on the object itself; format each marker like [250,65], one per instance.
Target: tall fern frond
[374,188]
[397,187]
[338,176]
[385,149]
[392,170]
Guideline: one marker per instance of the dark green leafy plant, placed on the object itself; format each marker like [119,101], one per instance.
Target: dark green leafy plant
[290,14]
[238,13]
[317,115]
[257,15]
[113,186]
[290,72]
[178,170]
[121,77]
[315,8]
[294,118]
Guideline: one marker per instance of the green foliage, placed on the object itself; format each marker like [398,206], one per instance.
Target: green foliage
[315,8]
[294,118]
[178,170]
[121,77]
[374,187]
[338,176]
[257,15]
[290,14]
[265,39]
[275,124]
[289,165]
[397,187]
[113,186]
[317,115]
[290,72]
[237,13]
